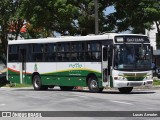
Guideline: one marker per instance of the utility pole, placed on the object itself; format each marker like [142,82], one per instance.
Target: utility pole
[96,17]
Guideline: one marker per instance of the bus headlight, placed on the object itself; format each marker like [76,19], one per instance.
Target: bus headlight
[119,78]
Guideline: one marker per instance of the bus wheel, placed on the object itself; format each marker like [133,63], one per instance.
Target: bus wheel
[125,90]
[66,88]
[37,83]
[93,85]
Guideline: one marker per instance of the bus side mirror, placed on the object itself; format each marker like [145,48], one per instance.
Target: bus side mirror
[110,49]
[152,50]
[105,54]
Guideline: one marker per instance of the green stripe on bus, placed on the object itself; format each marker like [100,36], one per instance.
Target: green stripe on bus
[64,78]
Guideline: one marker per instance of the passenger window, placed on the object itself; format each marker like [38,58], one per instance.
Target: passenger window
[13,53]
[77,51]
[93,51]
[37,54]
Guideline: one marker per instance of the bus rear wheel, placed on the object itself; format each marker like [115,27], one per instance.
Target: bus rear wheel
[93,85]
[125,90]
[66,88]
[37,83]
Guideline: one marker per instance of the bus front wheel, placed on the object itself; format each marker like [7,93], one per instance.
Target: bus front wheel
[125,90]
[37,83]
[93,85]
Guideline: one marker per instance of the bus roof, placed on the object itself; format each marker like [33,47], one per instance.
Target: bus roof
[71,38]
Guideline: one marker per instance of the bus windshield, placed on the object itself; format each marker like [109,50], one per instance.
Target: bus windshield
[132,57]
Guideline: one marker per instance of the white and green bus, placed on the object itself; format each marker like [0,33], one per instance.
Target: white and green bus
[94,61]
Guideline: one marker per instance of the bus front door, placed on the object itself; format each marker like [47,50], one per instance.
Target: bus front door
[22,66]
[105,67]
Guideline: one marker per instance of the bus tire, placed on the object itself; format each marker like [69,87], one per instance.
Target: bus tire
[93,85]
[125,90]
[37,83]
[66,88]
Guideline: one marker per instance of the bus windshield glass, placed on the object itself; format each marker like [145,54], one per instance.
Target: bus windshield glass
[132,57]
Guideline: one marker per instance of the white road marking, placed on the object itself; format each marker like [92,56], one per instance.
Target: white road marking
[122,102]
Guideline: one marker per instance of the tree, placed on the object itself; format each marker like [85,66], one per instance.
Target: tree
[9,17]
[49,15]
[68,17]
[85,18]
[136,15]
[5,11]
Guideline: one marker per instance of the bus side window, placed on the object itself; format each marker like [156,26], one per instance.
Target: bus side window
[13,53]
[37,52]
[77,51]
[93,51]
[88,56]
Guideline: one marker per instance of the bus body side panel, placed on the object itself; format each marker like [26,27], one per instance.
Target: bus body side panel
[13,72]
[75,73]
[45,70]
[95,68]
[60,74]
[64,73]
[70,73]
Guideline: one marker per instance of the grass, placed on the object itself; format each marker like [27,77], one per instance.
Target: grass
[156,82]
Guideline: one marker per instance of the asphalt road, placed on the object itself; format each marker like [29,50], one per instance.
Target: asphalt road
[26,99]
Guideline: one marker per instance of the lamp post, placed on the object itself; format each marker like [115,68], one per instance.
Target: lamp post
[96,17]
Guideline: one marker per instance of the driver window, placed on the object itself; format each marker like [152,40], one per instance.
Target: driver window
[142,52]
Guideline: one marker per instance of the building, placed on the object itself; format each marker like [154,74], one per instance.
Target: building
[152,36]
[156,52]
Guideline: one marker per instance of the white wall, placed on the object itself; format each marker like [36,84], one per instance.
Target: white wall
[152,36]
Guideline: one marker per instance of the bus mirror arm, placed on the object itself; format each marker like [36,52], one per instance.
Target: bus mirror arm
[105,54]
[152,50]
[109,49]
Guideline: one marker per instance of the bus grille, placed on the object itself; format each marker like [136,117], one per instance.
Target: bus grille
[135,84]
[135,76]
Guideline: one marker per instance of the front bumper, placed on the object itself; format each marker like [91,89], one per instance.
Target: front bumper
[119,83]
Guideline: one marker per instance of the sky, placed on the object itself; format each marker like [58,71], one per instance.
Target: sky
[109,10]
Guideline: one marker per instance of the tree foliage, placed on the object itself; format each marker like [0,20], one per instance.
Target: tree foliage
[9,14]
[75,17]
[49,15]
[68,17]
[135,14]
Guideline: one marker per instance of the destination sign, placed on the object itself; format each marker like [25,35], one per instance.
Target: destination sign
[131,39]
[135,40]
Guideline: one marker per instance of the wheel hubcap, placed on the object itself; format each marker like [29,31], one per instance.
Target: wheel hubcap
[93,84]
